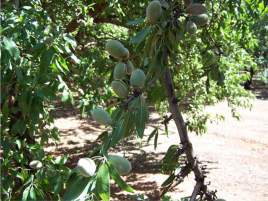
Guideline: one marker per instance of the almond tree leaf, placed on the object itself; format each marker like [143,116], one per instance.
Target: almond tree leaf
[135,22]
[141,117]
[77,188]
[25,193]
[155,139]
[117,178]
[152,134]
[169,180]
[32,193]
[170,160]
[11,47]
[140,36]
[46,58]
[103,182]
[118,133]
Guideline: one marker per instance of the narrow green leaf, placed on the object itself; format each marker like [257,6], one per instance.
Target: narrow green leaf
[117,114]
[117,178]
[46,58]
[25,193]
[11,47]
[169,180]
[155,139]
[170,161]
[103,182]
[135,22]
[140,36]
[32,193]
[152,134]
[77,187]
[166,129]
[141,117]
[117,133]
[75,58]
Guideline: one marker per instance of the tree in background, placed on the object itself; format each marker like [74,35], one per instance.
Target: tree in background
[52,49]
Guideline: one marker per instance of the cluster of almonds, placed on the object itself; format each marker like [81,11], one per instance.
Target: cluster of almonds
[196,15]
[123,68]
[86,167]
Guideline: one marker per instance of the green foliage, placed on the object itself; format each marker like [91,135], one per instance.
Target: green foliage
[53,52]
[170,161]
[33,64]
[103,182]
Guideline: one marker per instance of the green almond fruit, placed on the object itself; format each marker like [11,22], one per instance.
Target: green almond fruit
[129,67]
[191,27]
[137,78]
[211,58]
[86,167]
[153,11]
[119,71]
[35,164]
[196,9]
[117,49]
[200,20]
[101,116]
[120,88]
[121,164]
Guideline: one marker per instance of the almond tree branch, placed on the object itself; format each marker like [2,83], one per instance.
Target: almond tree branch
[181,125]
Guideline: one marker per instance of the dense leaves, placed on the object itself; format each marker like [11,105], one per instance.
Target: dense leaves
[52,53]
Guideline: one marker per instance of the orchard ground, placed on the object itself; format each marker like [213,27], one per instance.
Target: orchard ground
[235,152]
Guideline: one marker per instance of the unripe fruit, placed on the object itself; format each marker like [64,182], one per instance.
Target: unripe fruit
[120,88]
[119,71]
[101,116]
[121,164]
[137,78]
[86,167]
[117,49]
[196,9]
[153,11]
[129,67]
[191,27]
[35,164]
[200,20]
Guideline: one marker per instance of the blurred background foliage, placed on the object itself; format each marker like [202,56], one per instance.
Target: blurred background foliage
[53,52]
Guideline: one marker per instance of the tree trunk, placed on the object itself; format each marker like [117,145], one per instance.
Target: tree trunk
[200,187]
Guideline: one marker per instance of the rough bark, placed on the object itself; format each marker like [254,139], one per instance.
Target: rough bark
[181,126]
[200,187]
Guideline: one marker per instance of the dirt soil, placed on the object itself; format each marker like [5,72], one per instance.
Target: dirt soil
[235,152]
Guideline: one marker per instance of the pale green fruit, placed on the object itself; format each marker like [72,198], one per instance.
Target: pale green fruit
[121,164]
[86,167]
[200,20]
[35,164]
[191,27]
[119,71]
[129,67]
[101,116]
[153,11]
[120,88]
[137,78]
[117,49]
[196,9]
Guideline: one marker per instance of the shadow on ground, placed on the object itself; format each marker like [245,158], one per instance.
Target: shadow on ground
[79,140]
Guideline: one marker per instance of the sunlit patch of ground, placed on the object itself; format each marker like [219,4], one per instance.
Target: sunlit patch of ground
[235,152]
